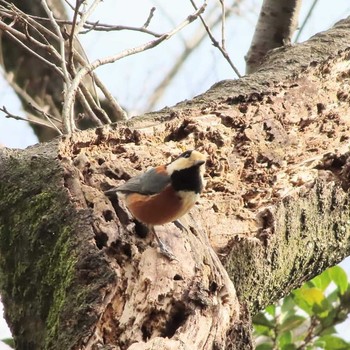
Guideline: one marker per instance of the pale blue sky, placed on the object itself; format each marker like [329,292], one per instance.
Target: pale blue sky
[132,80]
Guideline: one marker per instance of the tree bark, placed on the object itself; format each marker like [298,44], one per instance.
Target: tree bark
[78,273]
[276,25]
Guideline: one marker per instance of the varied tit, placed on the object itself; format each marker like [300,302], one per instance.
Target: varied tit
[165,193]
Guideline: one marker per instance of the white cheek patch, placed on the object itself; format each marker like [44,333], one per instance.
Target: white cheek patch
[178,164]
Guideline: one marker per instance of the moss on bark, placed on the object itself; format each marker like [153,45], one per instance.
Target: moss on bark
[38,255]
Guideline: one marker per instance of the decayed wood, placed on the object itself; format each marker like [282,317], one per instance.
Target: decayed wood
[275,211]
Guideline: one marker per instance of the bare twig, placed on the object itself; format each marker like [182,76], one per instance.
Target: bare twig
[61,41]
[306,19]
[113,102]
[83,96]
[150,16]
[85,16]
[70,95]
[24,95]
[194,42]
[223,22]
[71,36]
[33,120]
[96,26]
[66,76]
[17,14]
[48,118]
[16,36]
[215,42]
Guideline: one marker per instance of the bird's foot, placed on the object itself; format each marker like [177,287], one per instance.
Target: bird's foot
[180,226]
[164,250]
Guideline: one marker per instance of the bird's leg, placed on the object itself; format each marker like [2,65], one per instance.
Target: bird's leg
[163,248]
[180,225]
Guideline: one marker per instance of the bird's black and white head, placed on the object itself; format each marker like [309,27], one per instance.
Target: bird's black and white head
[186,172]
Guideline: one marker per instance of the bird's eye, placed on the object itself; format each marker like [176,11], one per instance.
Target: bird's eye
[187,155]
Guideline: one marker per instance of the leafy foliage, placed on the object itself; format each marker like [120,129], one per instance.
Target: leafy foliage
[306,318]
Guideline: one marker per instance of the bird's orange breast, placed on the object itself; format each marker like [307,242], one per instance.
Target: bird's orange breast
[157,209]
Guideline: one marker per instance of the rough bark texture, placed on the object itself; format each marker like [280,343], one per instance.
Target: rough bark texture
[276,25]
[276,208]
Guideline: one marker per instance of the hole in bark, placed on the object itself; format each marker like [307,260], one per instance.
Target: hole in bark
[140,229]
[101,240]
[108,215]
[154,322]
[178,316]
[100,161]
[213,287]
[111,174]
[146,334]
[303,220]
[126,249]
[120,212]
[177,277]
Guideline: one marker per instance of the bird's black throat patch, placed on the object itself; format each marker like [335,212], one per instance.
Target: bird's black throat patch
[187,179]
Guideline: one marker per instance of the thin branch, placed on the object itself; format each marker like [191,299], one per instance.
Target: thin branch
[82,96]
[306,19]
[194,42]
[16,13]
[223,22]
[70,95]
[113,102]
[33,120]
[8,30]
[86,15]
[215,42]
[150,16]
[71,36]
[96,26]
[66,76]
[48,118]
[30,101]
[61,42]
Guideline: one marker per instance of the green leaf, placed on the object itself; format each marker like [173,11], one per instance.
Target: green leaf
[329,321]
[310,300]
[262,330]
[329,330]
[261,319]
[292,323]
[339,277]
[284,338]
[333,297]
[264,346]
[322,281]
[334,343]
[271,310]
[288,347]
[288,304]
[319,344]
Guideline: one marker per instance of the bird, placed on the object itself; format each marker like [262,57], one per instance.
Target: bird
[165,193]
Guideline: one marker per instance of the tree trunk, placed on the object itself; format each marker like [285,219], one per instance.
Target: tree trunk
[78,273]
[276,25]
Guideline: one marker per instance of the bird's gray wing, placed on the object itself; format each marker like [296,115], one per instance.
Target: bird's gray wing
[151,182]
